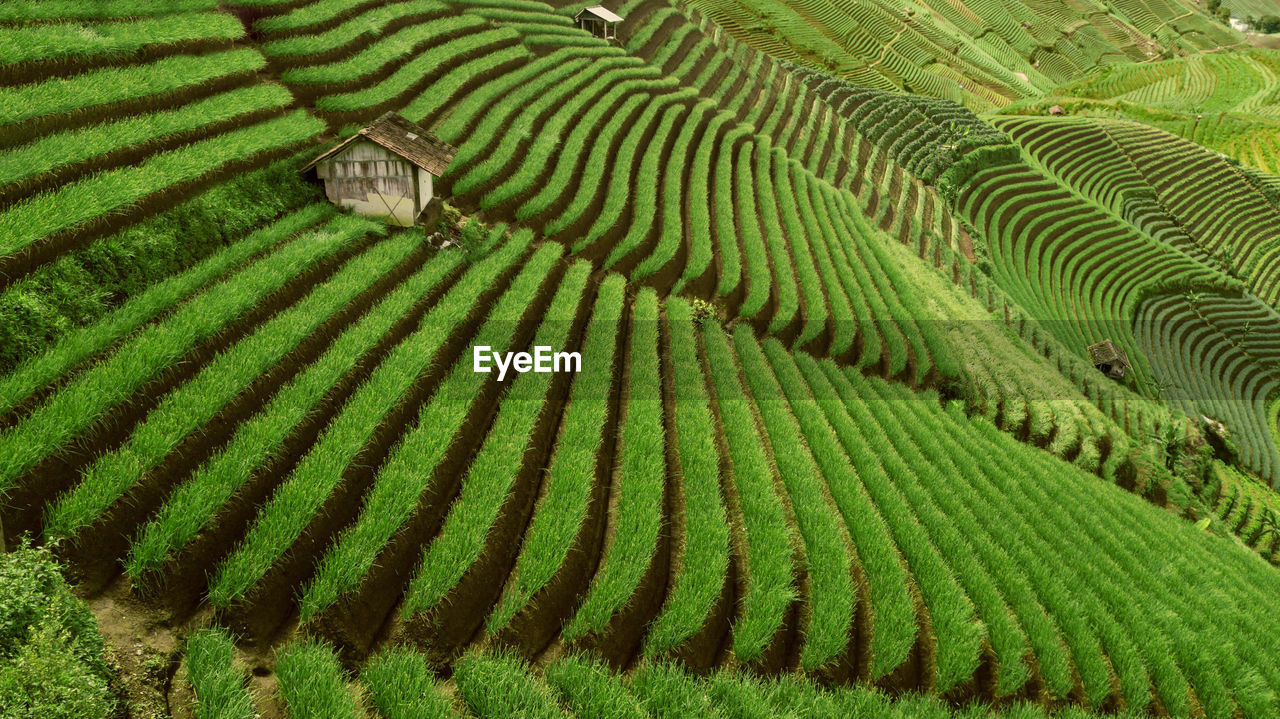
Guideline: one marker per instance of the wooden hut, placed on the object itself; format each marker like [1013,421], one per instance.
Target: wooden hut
[599,21]
[1109,359]
[388,169]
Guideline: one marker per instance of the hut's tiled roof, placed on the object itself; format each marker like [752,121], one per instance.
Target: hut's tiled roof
[602,12]
[408,140]
[1106,352]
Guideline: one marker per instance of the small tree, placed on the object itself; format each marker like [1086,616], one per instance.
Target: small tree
[1269,23]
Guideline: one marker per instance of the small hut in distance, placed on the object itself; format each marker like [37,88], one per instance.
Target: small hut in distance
[387,169]
[599,21]
[1109,359]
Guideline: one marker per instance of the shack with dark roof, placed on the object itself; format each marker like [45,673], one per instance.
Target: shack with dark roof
[1109,359]
[388,169]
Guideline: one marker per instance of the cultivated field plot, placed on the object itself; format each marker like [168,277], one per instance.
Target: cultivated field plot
[833,442]
[983,54]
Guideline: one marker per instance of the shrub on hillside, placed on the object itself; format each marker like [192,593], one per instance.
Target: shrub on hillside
[52,663]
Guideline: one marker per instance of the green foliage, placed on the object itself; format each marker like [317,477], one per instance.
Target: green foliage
[643,469]
[563,508]
[218,682]
[46,41]
[192,505]
[36,219]
[24,10]
[312,682]
[95,392]
[491,478]
[402,687]
[52,663]
[116,84]
[501,685]
[82,286]
[190,407]
[295,501]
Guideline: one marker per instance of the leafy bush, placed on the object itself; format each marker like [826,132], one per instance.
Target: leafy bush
[52,664]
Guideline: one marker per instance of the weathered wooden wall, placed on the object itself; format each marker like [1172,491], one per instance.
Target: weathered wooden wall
[372,180]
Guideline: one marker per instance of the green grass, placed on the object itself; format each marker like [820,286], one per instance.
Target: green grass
[56,40]
[548,141]
[188,408]
[295,501]
[380,52]
[58,150]
[560,513]
[775,240]
[815,301]
[492,474]
[500,126]
[63,209]
[725,232]
[802,467]
[20,10]
[501,685]
[312,683]
[100,87]
[671,231]
[402,687]
[700,574]
[444,90]
[218,683]
[372,22]
[409,73]
[589,688]
[698,221]
[758,275]
[642,469]
[195,502]
[617,188]
[43,369]
[892,610]
[95,392]
[400,486]
[770,542]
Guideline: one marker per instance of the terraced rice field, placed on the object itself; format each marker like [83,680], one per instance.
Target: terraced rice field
[834,444]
